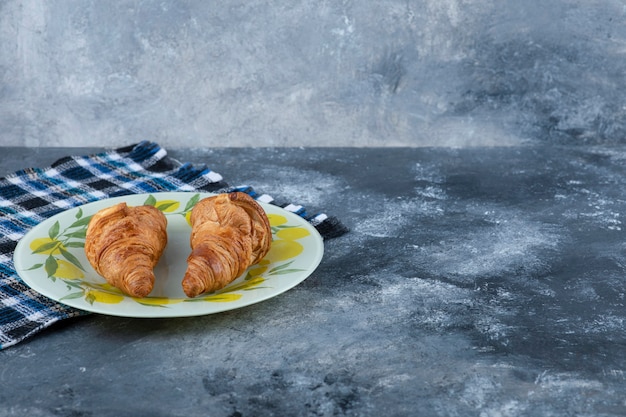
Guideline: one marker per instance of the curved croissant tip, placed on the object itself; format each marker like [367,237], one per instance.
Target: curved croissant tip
[192,291]
[140,291]
[239,195]
[139,285]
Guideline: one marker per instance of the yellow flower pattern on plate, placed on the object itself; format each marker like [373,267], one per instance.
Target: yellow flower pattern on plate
[67,270]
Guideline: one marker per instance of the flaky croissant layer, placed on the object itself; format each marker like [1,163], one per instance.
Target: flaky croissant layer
[230,232]
[123,244]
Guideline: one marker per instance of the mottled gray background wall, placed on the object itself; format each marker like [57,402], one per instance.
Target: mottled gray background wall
[301,72]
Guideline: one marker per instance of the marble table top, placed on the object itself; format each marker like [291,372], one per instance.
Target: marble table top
[473,282]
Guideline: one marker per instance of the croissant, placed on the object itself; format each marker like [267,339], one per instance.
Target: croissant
[123,244]
[229,233]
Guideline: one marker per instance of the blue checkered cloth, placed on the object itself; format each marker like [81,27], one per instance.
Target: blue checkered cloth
[32,195]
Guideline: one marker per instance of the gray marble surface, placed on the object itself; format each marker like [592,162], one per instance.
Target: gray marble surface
[303,73]
[474,282]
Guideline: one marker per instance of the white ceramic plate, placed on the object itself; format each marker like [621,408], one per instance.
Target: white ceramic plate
[50,259]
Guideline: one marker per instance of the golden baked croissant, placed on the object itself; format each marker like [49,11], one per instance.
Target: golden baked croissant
[229,233]
[124,244]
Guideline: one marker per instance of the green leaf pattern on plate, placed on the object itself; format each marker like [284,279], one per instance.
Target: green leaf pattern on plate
[59,262]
